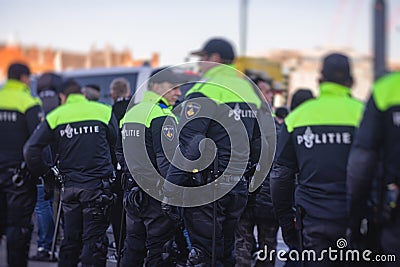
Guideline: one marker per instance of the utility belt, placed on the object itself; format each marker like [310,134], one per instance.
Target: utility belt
[106,199]
[223,179]
[128,182]
[230,179]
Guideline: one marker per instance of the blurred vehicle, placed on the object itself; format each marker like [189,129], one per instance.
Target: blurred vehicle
[137,77]
[103,77]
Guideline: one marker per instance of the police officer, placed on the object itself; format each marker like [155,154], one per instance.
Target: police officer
[259,211]
[315,141]
[145,127]
[49,85]
[85,132]
[222,97]
[120,93]
[378,141]
[20,113]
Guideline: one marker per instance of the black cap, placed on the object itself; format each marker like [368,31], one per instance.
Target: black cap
[219,46]
[336,68]
[299,97]
[94,86]
[166,75]
[281,112]
[49,81]
[16,70]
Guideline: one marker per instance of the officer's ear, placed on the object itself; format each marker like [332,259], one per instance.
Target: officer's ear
[63,98]
[25,79]
[215,57]
[350,83]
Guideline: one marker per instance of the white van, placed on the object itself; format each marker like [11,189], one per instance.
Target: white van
[137,76]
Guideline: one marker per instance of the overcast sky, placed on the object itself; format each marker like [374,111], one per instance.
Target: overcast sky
[175,27]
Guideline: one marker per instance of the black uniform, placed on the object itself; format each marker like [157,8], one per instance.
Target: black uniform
[378,140]
[86,133]
[208,105]
[119,109]
[315,141]
[149,231]
[20,113]
[259,212]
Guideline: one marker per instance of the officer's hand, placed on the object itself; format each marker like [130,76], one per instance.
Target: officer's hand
[134,197]
[127,182]
[49,183]
[291,236]
[48,190]
[49,177]
[170,211]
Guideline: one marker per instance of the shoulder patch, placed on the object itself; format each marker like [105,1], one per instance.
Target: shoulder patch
[192,109]
[169,131]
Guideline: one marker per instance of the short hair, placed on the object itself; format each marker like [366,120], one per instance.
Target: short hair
[91,93]
[16,70]
[300,96]
[281,112]
[49,81]
[70,86]
[94,86]
[120,86]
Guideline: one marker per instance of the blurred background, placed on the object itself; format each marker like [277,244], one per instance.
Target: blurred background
[283,39]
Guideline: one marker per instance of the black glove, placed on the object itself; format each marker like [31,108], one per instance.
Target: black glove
[134,198]
[291,235]
[49,184]
[172,212]
[127,182]
[48,191]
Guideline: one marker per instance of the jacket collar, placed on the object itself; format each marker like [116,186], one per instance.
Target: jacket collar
[16,85]
[150,96]
[75,98]
[334,89]
[226,70]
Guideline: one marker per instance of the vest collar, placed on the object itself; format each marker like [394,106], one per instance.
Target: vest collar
[334,89]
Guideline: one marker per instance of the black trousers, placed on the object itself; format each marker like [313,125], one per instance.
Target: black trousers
[267,228]
[17,212]
[148,231]
[320,234]
[85,225]
[199,223]
[116,210]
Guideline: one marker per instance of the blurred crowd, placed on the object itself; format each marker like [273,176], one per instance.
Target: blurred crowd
[331,171]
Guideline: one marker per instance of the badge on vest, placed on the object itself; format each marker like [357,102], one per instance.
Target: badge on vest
[309,139]
[169,132]
[192,109]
